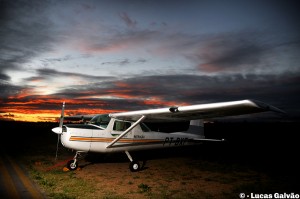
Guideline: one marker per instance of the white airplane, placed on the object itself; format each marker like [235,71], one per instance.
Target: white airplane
[126,131]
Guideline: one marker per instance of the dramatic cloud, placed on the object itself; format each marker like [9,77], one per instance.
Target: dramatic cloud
[50,73]
[247,52]
[128,21]
[106,56]
[25,32]
[4,77]
[196,89]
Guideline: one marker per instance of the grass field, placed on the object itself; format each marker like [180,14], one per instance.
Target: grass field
[256,158]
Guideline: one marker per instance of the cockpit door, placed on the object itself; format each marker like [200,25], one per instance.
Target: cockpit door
[119,127]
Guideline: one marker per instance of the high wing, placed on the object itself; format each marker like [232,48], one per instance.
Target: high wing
[201,111]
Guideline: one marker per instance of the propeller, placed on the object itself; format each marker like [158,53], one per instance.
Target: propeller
[58,130]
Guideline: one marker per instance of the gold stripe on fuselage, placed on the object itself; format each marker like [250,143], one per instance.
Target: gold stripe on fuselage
[124,140]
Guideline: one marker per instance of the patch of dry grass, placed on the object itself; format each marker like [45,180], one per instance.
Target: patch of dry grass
[175,177]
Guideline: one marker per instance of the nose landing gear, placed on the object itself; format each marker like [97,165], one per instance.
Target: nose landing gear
[73,164]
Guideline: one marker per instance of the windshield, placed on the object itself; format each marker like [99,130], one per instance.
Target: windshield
[100,120]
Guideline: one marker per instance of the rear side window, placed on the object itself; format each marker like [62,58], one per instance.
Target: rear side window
[121,125]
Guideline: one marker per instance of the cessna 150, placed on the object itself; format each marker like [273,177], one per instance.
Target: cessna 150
[127,131]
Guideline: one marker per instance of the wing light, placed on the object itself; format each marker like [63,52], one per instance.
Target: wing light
[174,109]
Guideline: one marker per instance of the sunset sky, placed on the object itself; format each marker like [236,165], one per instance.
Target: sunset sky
[110,56]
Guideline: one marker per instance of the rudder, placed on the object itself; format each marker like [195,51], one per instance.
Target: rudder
[197,128]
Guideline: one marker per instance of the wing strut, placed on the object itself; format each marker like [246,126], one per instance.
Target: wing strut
[127,131]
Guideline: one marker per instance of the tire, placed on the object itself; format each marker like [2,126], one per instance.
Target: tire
[71,166]
[134,166]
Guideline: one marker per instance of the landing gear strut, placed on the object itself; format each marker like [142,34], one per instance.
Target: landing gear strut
[134,165]
[73,164]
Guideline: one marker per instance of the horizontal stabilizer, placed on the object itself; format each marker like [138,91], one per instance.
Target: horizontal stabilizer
[209,140]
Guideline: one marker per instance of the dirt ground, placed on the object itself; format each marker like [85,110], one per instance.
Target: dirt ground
[175,177]
[178,173]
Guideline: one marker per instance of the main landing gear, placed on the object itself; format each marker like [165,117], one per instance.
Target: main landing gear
[134,165]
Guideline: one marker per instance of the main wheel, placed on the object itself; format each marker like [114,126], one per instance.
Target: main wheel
[72,165]
[134,166]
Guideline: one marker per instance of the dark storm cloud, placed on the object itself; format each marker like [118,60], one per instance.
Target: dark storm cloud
[229,53]
[120,63]
[51,73]
[25,32]
[7,89]
[125,62]
[133,93]
[246,50]
[191,88]
[53,60]
[243,50]
[129,40]
[281,91]
[4,77]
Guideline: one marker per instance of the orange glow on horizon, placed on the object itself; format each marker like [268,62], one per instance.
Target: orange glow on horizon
[24,113]
[46,115]
[48,109]
[28,111]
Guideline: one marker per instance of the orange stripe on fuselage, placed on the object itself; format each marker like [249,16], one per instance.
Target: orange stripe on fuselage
[99,139]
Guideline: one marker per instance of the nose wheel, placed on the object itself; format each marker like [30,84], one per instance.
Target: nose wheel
[73,164]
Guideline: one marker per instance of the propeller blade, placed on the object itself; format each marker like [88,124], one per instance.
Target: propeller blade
[58,130]
[62,115]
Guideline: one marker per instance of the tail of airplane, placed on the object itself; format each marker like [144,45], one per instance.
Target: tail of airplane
[197,128]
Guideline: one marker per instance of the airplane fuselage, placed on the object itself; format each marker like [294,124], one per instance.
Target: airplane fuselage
[95,138]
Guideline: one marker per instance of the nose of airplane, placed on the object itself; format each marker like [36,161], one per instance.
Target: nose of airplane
[57,130]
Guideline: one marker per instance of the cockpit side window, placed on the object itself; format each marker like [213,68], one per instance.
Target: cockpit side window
[121,125]
[100,120]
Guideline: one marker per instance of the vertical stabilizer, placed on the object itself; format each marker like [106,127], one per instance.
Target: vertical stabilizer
[197,128]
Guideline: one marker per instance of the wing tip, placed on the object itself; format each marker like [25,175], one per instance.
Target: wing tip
[266,106]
